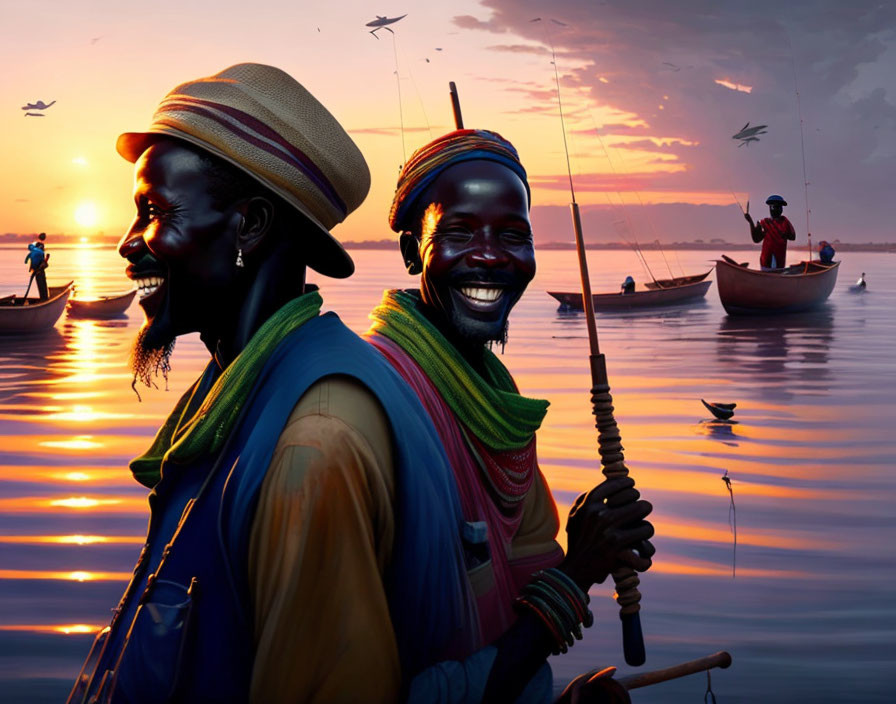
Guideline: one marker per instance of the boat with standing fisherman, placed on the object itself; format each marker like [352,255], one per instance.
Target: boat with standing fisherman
[802,286]
[19,314]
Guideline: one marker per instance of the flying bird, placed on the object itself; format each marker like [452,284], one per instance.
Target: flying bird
[748,134]
[380,23]
[39,105]
[722,411]
[672,67]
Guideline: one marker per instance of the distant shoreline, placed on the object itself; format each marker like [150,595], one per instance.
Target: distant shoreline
[716,244]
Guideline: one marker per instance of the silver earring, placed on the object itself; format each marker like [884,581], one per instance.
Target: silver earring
[239,259]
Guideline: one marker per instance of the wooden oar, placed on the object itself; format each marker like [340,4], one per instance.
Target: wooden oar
[30,281]
[720,659]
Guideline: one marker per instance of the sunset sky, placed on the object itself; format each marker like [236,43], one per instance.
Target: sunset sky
[653,92]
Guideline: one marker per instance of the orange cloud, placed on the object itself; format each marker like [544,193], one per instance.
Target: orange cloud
[740,87]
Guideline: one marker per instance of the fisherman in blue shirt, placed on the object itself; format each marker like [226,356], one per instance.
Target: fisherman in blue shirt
[37,260]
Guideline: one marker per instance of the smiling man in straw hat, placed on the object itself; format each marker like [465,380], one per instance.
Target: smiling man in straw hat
[273,477]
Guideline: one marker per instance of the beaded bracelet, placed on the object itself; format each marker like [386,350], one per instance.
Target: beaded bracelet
[558,603]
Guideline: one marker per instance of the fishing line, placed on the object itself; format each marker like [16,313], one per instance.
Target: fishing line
[799,110]
[404,151]
[732,523]
[419,99]
[546,38]
[636,247]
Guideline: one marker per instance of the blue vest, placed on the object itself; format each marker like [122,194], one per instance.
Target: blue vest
[183,630]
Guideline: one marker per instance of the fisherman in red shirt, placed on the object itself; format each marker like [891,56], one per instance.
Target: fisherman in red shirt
[773,232]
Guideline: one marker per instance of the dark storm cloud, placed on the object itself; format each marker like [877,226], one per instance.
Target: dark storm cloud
[845,60]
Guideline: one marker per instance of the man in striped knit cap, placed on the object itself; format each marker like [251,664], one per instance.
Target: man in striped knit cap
[461,209]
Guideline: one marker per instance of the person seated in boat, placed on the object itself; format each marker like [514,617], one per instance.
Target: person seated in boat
[825,252]
[774,232]
[461,208]
[37,260]
[301,547]
[628,286]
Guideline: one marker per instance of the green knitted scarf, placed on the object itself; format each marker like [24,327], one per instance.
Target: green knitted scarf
[180,439]
[491,408]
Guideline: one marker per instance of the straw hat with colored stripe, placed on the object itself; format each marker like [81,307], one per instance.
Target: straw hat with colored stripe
[261,120]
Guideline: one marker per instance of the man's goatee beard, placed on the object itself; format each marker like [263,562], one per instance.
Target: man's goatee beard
[148,363]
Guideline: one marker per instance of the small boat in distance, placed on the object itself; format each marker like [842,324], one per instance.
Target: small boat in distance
[23,315]
[102,306]
[651,298]
[795,288]
[677,281]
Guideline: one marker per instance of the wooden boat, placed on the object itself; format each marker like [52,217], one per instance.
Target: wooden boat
[101,307]
[745,291]
[651,298]
[677,281]
[22,315]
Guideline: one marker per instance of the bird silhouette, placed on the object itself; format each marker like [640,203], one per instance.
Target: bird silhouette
[722,411]
[39,105]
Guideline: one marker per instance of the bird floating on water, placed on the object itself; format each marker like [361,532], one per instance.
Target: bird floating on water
[859,285]
[722,411]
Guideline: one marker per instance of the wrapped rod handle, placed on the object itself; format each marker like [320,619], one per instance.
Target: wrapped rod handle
[611,457]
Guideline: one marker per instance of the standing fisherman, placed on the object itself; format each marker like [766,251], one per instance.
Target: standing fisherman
[37,266]
[773,232]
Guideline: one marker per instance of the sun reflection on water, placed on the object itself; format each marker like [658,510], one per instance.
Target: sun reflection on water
[72,539]
[72,576]
[65,629]
[79,442]
[83,502]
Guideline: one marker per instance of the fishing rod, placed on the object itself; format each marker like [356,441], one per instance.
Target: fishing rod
[636,247]
[799,110]
[609,439]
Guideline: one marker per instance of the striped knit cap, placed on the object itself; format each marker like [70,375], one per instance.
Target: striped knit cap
[261,120]
[429,161]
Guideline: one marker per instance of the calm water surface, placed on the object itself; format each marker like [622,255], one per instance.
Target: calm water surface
[811,612]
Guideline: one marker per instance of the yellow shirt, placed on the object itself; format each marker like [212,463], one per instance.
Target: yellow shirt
[321,540]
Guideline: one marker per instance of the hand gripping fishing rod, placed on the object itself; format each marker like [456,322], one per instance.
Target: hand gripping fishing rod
[609,440]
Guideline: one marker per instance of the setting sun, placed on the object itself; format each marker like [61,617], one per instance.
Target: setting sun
[86,214]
